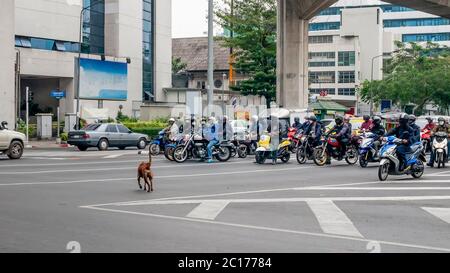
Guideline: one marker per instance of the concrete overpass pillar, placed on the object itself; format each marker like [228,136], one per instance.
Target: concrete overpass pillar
[7,61]
[292,71]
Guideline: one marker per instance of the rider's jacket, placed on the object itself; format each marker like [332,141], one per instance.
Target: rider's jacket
[304,126]
[342,131]
[297,125]
[416,132]
[210,132]
[315,129]
[403,132]
[378,130]
[429,126]
[444,128]
[366,125]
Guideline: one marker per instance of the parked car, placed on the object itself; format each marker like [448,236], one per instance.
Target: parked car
[11,142]
[107,135]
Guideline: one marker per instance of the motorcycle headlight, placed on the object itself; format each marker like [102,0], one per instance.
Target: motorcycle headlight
[390,151]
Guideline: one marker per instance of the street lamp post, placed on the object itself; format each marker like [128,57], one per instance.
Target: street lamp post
[79,57]
[210,55]
[371,79]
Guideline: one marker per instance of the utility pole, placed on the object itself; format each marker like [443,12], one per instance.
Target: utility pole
[27,111]
[231,60]
[210,55]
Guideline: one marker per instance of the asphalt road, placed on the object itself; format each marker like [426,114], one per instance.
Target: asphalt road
[52,198]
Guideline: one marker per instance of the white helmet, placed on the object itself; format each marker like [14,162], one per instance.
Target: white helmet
[212,119]
[171,120]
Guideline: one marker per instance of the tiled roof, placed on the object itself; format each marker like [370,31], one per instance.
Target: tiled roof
[194,52]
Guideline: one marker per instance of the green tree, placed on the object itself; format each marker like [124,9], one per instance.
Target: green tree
[178,65]
[254,24]
[417,75]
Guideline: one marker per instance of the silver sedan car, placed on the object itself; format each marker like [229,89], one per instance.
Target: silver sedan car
[107,135]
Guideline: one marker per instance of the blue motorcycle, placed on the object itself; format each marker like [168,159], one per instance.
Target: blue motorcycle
[367,150]
[390,162]
[158,144]
[170,147]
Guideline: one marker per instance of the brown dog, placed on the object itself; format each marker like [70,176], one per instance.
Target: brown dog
[145,172]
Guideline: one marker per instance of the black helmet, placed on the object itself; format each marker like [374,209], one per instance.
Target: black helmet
[376,120]
[313,118]
[404,119]
[366,117]
[297,119]
[339,119]
[430,119]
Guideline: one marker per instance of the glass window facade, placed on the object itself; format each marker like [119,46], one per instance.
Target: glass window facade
[416,22]
[346,76]
[46,44]
[346,58]
[385,8]
[147,51]
[326,39]
[426,37]
[322,77]
[318,91]
[394,8]
[93,27]
[324,26]
[347,92]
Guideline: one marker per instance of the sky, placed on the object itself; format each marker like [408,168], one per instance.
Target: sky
[189,18]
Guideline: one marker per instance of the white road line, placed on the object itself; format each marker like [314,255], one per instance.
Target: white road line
[286,200]
[374,188]
[112,156]
[441,213]
[119,168]
[333,220]
[295,232]
[156,177]
[208,210]
[75,163]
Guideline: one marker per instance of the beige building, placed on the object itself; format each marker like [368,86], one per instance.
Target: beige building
[42,38]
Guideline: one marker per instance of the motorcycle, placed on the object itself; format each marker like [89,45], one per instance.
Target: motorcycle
[322,152]
[242,147]
[170,148]
[264,150]
[390,163]
[367,151]
[425,135]
[439,147]
[294,136]
[158,144]
[305,151]
[195,146]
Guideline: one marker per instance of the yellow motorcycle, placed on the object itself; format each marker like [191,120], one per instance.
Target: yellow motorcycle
[266,151]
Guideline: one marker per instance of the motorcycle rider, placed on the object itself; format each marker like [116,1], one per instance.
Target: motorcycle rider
[415,127]
[378,130]
[212,136]
[297,124]
[226,130]
[367,124]
[404,132]
[343,134]
[172,130]
[441,127]
[314,130]
[275,131]
[430,125]
[306,124]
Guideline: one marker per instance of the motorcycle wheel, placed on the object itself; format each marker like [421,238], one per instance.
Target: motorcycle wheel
[352,156]
[320,157]
[242,151]
[179,156]
[260,158]
[362,161]
[418,174]
[155,149]
[383,171]
[301,155]
[286,157]
[224,154]
[168,153]
[440,160]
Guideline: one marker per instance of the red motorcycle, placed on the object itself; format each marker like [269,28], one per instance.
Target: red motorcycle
[425,135]
[331,147]
[295,137]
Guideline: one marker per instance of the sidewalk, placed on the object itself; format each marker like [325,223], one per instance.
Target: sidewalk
[46,144]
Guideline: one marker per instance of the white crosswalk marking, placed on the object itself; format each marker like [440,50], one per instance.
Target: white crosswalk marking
[112,156]
[208,210]
[441,213]
[333,220]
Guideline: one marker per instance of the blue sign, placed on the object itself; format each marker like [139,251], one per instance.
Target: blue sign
[58,94]
[103,80]
[386,105]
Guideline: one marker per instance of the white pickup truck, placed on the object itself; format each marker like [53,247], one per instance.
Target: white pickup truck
[11,142]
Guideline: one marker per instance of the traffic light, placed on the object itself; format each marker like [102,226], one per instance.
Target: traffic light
[30,96]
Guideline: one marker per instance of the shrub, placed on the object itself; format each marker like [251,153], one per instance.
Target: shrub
[64,137]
